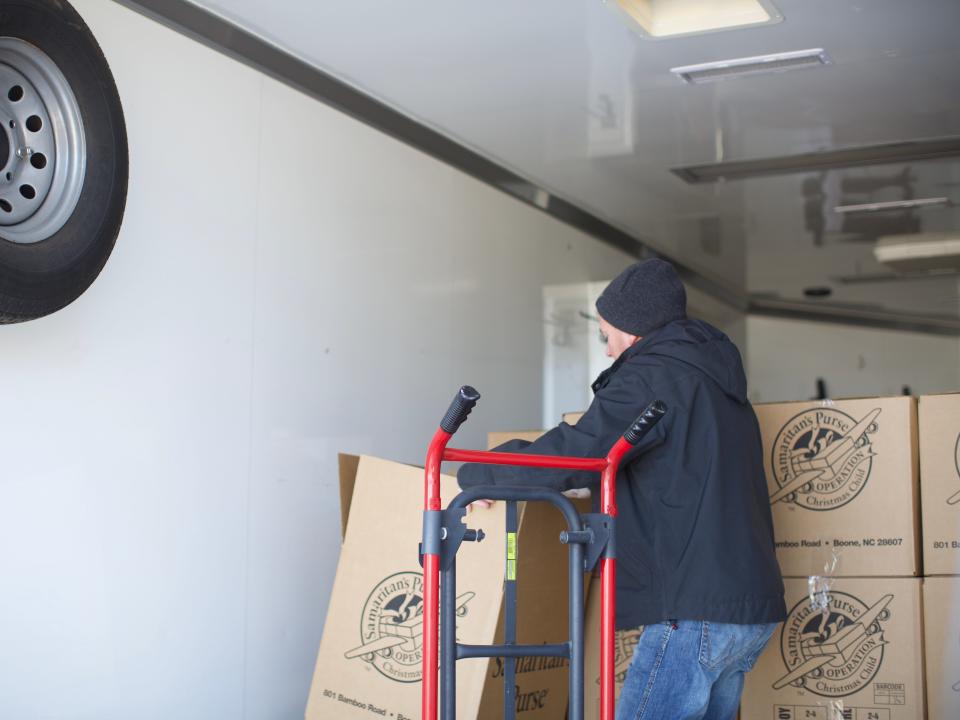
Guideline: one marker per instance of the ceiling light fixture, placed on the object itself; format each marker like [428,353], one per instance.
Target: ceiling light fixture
[919,253]
[756,65]
[656,19]
[892,205]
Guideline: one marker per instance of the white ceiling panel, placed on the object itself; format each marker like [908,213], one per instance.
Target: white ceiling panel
[567,95]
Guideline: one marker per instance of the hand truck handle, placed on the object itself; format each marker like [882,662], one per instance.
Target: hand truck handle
[463,402]
[645,422]
[608,564]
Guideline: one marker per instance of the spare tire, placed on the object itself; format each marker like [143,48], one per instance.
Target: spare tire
[63,158]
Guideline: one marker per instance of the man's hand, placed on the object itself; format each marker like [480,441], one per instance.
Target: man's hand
[485,504]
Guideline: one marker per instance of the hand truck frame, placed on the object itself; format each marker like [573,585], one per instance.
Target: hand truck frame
[444,531]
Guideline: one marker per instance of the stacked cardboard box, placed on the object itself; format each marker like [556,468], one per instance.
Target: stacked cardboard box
[844,491]
[843,485]
[850,649]
[941,621]
[940,490]
[940,473]
[845,480]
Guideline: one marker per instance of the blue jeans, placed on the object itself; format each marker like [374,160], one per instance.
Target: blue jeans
[686,670]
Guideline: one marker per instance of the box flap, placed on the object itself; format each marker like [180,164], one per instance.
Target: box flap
[348,477]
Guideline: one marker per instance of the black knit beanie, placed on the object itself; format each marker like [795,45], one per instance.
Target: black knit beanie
[645,296]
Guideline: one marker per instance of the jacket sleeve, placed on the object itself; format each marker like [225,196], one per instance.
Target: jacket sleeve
[612,411]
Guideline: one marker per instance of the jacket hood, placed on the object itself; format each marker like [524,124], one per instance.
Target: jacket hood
[703,346]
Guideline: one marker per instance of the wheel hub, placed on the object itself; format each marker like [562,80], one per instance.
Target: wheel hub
[42,146]
[4,149]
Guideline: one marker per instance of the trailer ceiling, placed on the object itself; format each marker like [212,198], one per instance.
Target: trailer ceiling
[567,97]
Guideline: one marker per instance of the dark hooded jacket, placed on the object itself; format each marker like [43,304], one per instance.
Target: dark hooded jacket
[694,535]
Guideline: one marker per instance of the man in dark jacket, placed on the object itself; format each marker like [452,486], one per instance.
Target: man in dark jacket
[695,552]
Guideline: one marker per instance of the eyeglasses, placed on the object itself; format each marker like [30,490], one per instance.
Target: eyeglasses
[602,335]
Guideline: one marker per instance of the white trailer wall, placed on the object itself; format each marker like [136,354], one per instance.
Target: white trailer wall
[288,283]
[785,358]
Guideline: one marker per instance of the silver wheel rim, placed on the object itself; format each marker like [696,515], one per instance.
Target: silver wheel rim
[46,157]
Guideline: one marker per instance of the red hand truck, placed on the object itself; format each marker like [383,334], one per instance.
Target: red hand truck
[589,537]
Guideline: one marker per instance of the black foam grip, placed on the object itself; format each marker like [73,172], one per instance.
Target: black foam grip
[461,406]
[643,424]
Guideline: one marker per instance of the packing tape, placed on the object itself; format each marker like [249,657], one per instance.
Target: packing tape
[818,586]
[835,710]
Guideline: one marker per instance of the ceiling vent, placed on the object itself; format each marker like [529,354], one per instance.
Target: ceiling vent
[924,252]
[757,65]
[884,154]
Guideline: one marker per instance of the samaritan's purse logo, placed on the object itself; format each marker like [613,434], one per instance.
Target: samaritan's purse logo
[624,644]
[956,686]
[391,627]
[955,498]
[833,651]
[821,458]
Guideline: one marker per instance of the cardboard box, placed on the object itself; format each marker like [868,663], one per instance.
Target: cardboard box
[940,483]
[369,663]
[624,645]
[378,576]
[542,684]
[941,622]
[843,483]
[572,418]
[501,436]
[854,652]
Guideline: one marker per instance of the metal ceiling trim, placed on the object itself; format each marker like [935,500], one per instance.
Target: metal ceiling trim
[854,315]
[246,47]
[859,156]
